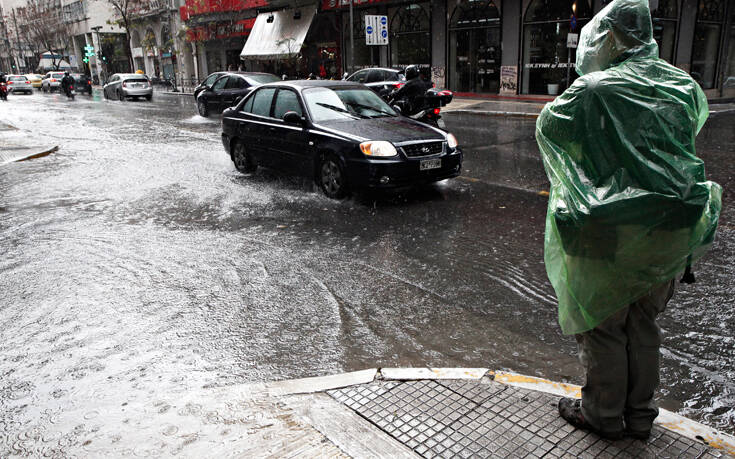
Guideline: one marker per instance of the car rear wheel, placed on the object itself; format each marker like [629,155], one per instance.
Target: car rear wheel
[332,177]
[244,162]
[149,97]
[120,96]
[202,108]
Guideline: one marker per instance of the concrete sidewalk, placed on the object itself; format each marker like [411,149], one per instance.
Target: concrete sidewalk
[531,107]
[399,412]
[15,145]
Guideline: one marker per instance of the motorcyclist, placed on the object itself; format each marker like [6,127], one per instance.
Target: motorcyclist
[3,87]
[67,83]
[409,94]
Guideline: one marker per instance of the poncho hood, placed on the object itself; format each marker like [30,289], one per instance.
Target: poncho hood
[620,31]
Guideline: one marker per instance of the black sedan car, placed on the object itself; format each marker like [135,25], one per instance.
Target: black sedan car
[339,133]
[82,83]
[227,89]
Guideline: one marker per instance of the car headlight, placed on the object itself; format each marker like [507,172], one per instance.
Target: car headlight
[452,141]
[380,148]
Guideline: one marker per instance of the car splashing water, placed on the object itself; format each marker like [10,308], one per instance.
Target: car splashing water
[137,265]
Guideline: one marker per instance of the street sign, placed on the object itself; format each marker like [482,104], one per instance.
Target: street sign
[376,29]
[572,39]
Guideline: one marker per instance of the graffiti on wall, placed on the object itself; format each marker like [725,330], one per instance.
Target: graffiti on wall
[437,76]
[508,79]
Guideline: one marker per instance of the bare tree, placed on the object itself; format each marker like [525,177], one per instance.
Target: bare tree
[127,11]
[43,22]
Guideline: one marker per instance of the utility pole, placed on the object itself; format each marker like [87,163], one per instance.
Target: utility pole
[17,42]
[98,52]
[352,41]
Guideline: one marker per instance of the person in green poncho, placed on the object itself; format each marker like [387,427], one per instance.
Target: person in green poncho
[629,209]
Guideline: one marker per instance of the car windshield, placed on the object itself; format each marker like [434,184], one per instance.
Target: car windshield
[263,79]
[136,80]
[349,103]
[57,75]
[17,78]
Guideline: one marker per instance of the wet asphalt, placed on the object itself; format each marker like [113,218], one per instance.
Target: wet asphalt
[136,261]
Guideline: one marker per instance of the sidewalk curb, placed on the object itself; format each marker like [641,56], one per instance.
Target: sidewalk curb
[7,158]
[463,111]
[681,425]
[180,93]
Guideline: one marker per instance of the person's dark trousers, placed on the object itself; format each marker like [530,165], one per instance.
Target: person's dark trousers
[621,359]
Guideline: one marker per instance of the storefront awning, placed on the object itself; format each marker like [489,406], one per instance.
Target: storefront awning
[278,34]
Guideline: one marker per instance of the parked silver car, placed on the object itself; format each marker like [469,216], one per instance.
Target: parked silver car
[19,83]
[120,86]
[52,81]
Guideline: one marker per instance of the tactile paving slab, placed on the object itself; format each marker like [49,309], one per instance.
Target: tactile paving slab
[469,418]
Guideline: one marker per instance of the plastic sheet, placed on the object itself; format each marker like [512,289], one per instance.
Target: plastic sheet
[629,203]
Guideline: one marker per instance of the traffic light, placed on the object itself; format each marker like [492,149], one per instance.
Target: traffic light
[86,60]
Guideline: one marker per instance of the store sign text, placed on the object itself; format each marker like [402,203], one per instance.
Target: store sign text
[561,65]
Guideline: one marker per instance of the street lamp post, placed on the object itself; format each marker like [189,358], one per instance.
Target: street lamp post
[96,30]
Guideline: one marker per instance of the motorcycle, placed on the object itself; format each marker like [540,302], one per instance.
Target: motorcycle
[4,91]
[69,91]
[425,108]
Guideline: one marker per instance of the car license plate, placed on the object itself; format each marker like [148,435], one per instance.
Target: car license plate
[430,164]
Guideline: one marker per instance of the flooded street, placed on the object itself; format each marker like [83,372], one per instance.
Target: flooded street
[137,264]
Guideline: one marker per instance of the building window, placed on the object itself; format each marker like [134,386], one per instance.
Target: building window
[706,46]
[665,18]
[547,62]
[410,37]
[729,81]
[474,47]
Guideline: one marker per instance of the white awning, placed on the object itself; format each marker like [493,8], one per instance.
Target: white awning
[280,38]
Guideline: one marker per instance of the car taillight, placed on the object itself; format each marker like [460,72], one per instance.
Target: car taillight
[53,80]
[124,85]
[10,82]
[445,93]
[436,111]
[398,85]
[89,82]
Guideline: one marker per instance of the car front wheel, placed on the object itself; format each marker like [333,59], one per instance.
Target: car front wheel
[202,108]
[332,177]
[244,162]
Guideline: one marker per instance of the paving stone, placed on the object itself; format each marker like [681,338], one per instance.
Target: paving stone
[470,418]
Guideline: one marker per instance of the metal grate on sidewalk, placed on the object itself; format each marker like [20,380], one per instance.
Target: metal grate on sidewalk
[468,418]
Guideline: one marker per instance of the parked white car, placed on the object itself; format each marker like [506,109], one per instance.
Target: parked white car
[19,83]
[52,81]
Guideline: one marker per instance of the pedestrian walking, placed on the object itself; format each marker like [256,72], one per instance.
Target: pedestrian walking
[629,209]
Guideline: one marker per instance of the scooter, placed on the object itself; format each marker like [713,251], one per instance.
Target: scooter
[4,91]
[70,93]
[425,108]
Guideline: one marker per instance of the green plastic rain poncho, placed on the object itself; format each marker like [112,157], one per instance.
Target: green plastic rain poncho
[629,205]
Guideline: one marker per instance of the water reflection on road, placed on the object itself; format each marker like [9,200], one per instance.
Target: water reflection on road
[137,261]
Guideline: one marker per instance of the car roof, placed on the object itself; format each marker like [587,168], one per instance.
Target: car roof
[379,68]
[305,84]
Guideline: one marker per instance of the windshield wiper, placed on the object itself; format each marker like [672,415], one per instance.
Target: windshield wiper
[341,110]
[373,109]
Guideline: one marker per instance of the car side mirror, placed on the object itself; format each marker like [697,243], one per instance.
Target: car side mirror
[397,109]
[237,100]
[292,118]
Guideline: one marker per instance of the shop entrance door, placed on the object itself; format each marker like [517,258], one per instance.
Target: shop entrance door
[476,60]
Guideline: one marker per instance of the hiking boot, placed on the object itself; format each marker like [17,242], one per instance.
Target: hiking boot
[571,410]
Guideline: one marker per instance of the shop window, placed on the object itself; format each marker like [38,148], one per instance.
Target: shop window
[729,81]
[365,55]
[706,46]
[665,18]
[410,42]
[474,47]
[548,65]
